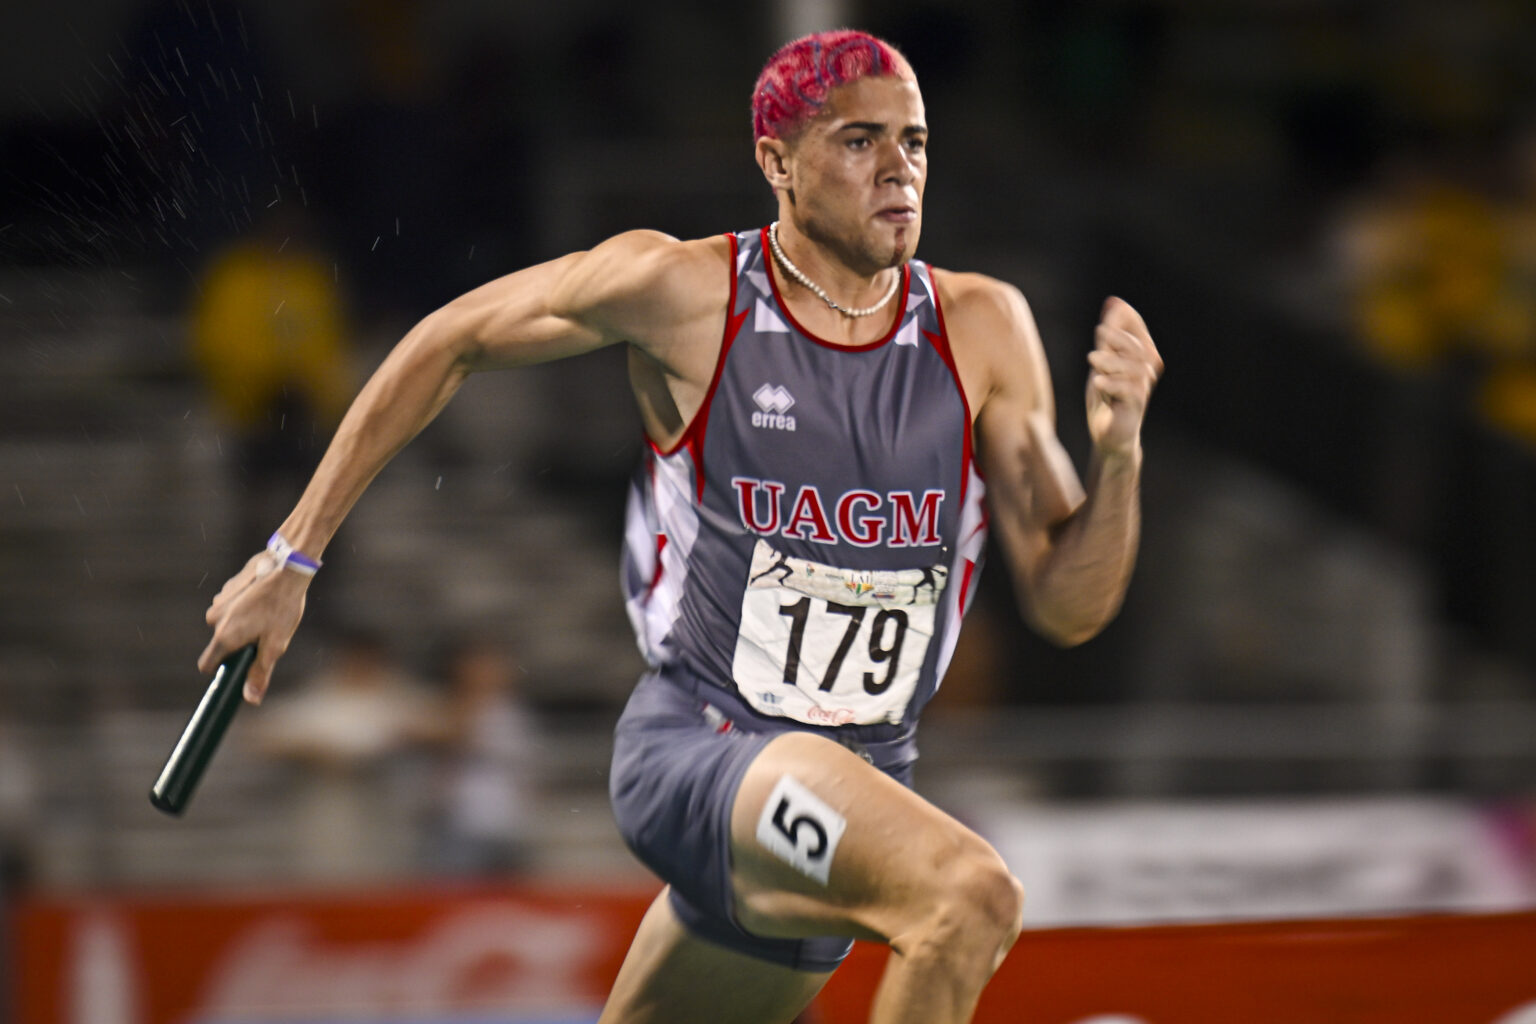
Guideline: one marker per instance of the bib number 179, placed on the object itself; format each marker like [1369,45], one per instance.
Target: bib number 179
[829,646]
[886,633]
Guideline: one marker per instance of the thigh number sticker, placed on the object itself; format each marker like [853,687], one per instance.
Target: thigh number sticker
[798,827]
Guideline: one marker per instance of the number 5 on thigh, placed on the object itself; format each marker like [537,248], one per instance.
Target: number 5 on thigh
[825,844]
[800,828]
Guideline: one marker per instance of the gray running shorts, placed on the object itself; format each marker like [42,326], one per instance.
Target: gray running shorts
[677,764]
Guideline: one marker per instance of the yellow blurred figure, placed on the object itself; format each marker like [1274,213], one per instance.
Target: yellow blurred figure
[1438,281]
[267,335]
[1444,274]
[269,340]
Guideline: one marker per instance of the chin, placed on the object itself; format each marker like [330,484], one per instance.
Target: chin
[905,244]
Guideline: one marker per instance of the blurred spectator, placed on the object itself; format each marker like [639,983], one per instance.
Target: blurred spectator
[17,823]
[269,339]
[350,732]
[18,799]
[485,805]
[1508,397]
[1429,262]
[1440,269]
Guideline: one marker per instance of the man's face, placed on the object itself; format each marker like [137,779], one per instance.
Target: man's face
[858,171]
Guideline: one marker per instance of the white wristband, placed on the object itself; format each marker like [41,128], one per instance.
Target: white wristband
[284,555]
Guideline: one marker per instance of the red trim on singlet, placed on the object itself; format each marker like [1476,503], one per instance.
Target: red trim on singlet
[965,582]
[661,545]
[901,307]
[980,527]
[940,343]
[692,436]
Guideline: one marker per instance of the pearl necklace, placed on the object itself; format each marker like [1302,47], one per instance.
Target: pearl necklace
[815,289]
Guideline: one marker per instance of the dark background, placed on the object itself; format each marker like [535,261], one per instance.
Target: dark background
[1340,472]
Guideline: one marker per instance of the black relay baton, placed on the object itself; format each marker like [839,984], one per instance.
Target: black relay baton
[189,759]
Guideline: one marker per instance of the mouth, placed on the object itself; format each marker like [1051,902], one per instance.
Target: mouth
[902,214]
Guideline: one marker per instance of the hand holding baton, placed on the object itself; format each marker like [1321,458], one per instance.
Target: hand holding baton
[200,739]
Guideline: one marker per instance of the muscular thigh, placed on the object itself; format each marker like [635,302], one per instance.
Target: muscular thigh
[823,843]
[673,977]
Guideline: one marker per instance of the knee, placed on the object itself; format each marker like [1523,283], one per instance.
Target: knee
[990,898]
[977,911]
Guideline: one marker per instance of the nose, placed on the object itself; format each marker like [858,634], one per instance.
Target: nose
[898,164]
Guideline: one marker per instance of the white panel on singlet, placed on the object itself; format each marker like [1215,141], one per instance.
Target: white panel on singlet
[766,319]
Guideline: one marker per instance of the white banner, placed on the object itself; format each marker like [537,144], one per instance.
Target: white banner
[1140,863]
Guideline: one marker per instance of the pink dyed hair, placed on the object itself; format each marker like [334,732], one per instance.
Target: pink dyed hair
[796,81]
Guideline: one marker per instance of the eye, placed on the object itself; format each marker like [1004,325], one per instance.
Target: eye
[859,142]
[917,144]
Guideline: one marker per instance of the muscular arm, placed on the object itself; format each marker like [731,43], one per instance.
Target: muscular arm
[508,321]
[1069,552]
[635,287]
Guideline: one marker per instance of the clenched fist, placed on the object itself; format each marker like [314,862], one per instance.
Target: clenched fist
[1125,367]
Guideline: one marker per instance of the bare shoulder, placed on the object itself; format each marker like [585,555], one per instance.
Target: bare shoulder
[976,300]
[657,254]
[994,338]
[692,277]
[643,283]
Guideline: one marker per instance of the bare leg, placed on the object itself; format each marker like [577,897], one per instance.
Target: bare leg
[671,976]
[902,872]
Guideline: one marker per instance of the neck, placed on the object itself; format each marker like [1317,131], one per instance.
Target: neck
[807,267]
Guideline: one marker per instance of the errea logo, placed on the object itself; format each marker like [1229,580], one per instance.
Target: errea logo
[773,398]
[773,402]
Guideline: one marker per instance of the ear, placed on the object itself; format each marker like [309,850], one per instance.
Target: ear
[773,157]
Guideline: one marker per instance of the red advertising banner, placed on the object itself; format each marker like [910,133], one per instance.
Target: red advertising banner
[525,956]
[1426,970]
[547,956]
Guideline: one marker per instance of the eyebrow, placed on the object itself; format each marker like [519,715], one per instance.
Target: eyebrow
[878,127]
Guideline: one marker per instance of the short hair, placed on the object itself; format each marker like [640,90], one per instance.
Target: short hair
[796,81]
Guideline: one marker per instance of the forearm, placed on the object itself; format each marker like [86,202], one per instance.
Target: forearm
[569,305]
[403,396]
[1079,582]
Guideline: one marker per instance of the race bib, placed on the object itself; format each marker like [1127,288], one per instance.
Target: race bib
[830,646]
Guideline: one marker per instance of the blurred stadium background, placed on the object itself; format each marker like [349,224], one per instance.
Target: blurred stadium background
[215,218]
